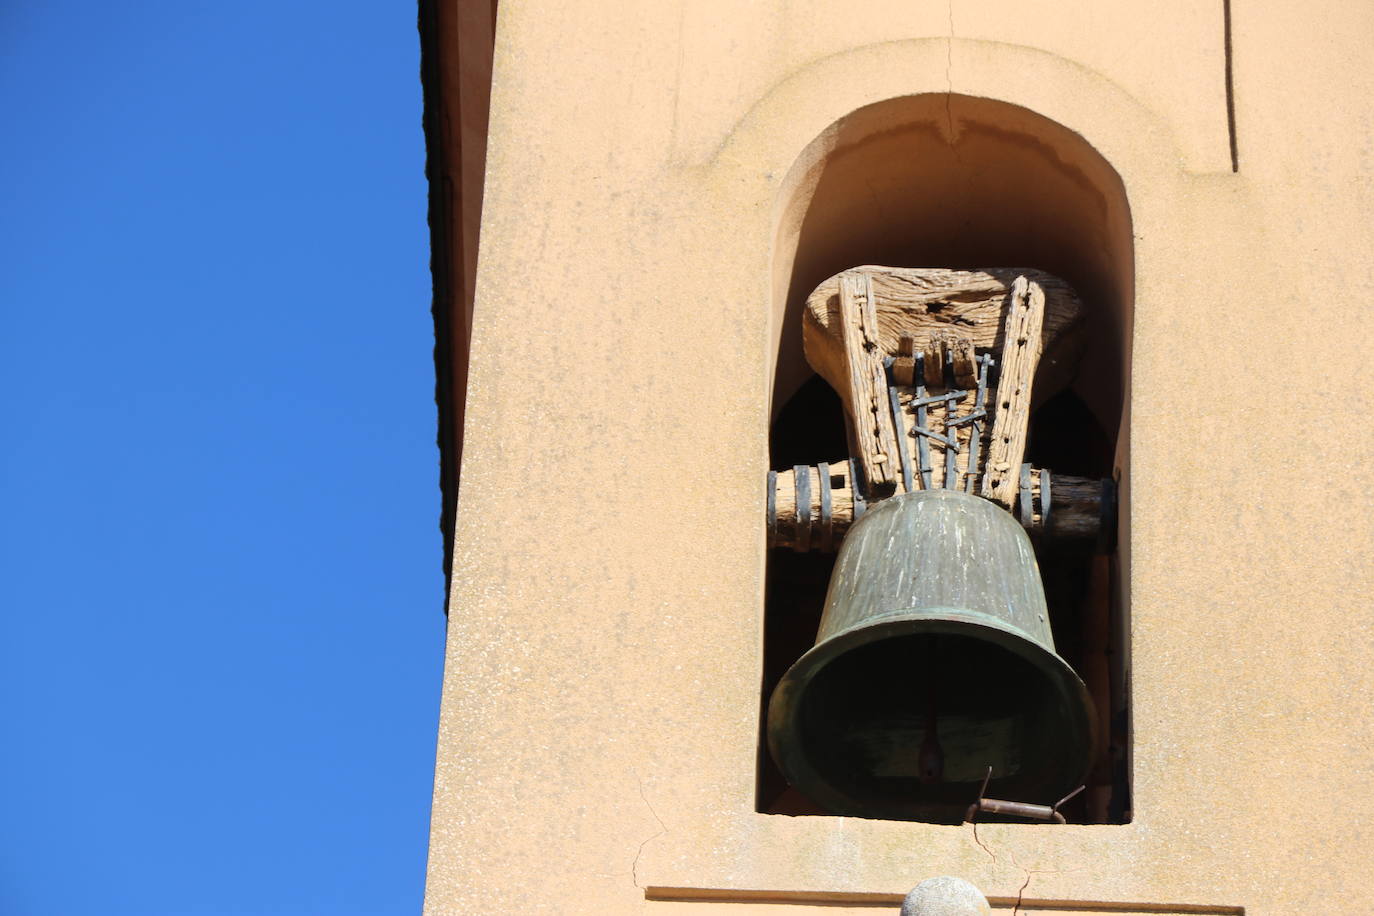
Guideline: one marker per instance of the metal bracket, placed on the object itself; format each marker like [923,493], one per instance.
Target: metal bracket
[920,401]
[1026,505]
[801,482]
[918,376]
[1017,809]
[1045,499]
[827,539]
[976,433]
[856,490]
[894,404]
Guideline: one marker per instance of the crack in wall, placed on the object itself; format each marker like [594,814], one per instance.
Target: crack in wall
[992,855]
[663,828]
[1021,895]
[1028,873]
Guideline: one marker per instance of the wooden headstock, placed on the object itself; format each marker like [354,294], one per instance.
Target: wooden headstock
[937,369]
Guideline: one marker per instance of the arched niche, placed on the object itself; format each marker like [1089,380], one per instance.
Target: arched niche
[944,180]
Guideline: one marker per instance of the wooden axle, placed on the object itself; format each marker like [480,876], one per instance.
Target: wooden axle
[1079,508]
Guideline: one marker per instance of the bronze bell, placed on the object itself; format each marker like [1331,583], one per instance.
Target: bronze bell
[934,661]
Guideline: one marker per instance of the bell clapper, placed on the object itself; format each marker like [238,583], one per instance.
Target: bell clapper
[932,757]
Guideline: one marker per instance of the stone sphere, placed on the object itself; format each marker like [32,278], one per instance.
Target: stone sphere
[945,896]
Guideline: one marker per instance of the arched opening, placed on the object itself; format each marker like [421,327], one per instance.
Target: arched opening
[954,181]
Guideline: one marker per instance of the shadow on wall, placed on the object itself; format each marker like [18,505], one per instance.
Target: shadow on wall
[954,181]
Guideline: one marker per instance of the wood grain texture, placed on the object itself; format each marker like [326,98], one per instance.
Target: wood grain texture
[905,363]
[1022,328]
[865,383]
[936,345]
[916,301]
[964,361]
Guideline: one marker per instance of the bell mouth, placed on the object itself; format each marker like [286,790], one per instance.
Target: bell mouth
[850,724]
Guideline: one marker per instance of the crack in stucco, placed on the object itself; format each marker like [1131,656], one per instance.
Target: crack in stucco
[663,828]
[992,855]
[1029,873]
[1021,894]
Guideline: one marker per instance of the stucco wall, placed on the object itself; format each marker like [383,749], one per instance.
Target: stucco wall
[600,711]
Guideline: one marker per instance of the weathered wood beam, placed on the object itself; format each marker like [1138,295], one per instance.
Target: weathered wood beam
[866,384]
[1025,317]
[917,302]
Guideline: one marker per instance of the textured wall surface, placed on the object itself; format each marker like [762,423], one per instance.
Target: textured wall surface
[600,712]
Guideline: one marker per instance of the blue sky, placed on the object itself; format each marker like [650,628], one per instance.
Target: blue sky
[220,567]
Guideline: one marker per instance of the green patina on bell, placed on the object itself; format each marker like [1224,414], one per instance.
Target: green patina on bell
[934,661]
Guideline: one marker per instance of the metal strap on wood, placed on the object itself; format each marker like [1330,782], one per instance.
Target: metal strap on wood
[801,479]
[856,490]
[1026,505]
[827,539]
[922,447]
[1045,500]
[903,451]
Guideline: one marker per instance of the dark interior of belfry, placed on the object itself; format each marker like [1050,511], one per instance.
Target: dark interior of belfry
[959,182]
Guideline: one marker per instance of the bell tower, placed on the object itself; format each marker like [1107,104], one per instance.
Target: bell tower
[897,446]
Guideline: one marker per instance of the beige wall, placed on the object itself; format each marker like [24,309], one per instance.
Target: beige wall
[601,697]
